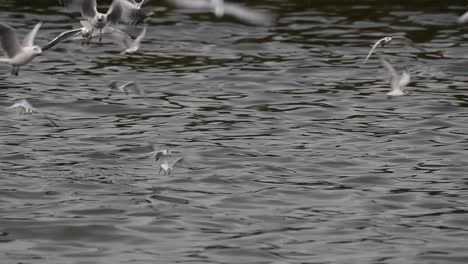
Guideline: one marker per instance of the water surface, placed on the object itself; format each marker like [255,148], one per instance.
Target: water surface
[297,155]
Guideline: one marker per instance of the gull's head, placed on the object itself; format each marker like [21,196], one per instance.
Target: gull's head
[100,18]
[386,40]
[36,50]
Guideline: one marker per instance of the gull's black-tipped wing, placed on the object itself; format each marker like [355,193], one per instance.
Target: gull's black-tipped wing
[63,36]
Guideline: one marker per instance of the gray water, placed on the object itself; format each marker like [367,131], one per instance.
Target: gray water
[296,153]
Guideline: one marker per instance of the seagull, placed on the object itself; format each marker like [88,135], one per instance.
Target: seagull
[386,40]
[221,8]
[84,32]
[18,53]
[27,108]
[119,10]
[397,82]
[463,18]
[166,160]
[168,164]
[126,88]
[126,42]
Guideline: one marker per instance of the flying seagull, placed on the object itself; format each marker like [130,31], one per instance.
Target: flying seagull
[168,164]
[386,40]
[126,88]
[119,11]
[167,160]
[18,53]
[221,8]
[463,18]
[126,42]
[397,82]
[84,32]
[26,108]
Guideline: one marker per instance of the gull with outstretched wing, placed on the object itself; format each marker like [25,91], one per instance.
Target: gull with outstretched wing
[221,8]
[26,108]
[119,11]
[18,53]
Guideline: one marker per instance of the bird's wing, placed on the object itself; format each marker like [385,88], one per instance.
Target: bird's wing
[29,39]
[8,40]
[410,42]
[376,44]
[391,71]
[63,36]
[15,105]
[23,103]
[114,13]
[248,15]
[404,79]
[87,7]
[176,161]
[128,85]
[463,18]
[128,13]
[139,5]
[140,37]
[199,4]
[121,38]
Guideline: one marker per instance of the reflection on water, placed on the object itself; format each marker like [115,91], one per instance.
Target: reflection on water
[297,155]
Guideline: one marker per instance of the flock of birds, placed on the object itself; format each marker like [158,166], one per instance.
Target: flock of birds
[98,25]
[131,12]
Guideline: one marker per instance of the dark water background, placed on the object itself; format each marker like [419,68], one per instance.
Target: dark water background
[297,155]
